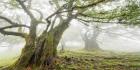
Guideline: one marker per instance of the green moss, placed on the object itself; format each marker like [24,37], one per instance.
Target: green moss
[98,60]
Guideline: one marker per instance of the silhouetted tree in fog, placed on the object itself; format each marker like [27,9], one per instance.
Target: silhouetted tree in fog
[89,36]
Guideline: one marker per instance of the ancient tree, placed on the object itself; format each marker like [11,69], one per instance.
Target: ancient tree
[40,51]
[90,38]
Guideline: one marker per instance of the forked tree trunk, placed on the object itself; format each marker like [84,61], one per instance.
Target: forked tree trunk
[90,40]
[42,52]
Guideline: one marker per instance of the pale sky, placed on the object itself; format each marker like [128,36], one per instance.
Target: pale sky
[118,43]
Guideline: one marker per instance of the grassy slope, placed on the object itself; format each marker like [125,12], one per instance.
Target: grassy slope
[82,60]
[98,61]
[8,58]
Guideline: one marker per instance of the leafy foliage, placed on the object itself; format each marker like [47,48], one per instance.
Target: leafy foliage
[131,13]
[13,3]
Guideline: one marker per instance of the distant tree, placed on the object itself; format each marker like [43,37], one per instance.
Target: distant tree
[63,45]
[89,37]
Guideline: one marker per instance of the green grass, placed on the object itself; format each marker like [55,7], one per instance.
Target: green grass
[7,62]
[8,58]
[97,60]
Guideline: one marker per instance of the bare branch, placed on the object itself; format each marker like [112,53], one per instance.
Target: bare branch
[13,26]
[48,25]
[83,22]
[12,33]
[13,23]
[53,22]
[58,11]
[53,14]
[47,19]
[8,20]
[38,11]
[3,31]
[88,21]
[26,9]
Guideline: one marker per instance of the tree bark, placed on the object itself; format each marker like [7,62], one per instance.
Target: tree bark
[40,53]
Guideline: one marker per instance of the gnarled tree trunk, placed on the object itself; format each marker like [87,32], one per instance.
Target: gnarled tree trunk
[90,38]
[41,53]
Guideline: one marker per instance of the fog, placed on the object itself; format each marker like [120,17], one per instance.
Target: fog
[125,39]
[112,37]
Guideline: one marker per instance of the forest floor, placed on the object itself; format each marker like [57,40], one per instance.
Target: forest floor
[99,60]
